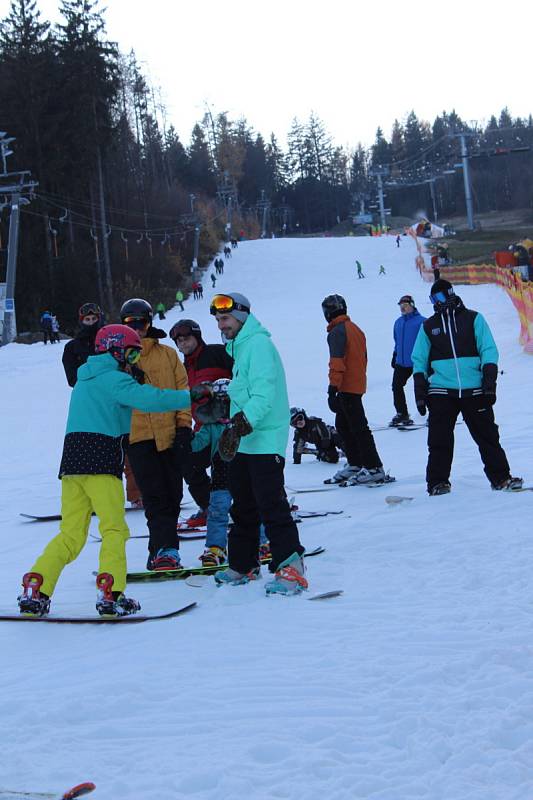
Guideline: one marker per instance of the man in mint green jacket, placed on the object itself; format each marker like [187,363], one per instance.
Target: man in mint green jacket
[254,443]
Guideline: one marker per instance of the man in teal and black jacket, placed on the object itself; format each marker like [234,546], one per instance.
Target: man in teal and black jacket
[455,366]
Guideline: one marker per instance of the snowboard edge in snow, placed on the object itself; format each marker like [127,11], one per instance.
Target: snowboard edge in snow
[128,620]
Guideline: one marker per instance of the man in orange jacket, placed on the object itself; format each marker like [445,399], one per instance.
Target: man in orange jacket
[347,385]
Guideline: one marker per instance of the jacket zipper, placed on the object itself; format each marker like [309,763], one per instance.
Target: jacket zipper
[454,352]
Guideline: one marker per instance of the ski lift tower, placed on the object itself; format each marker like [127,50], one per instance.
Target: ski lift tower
[14,186]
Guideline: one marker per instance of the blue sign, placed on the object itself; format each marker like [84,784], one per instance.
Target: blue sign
[9,304]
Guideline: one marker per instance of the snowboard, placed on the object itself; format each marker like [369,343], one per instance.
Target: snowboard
[183,537]
[185,572]
[57,517]
[133,619]
[76,791]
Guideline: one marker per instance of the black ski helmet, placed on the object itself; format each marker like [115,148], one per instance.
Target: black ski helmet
[333,306]
[441,293]
[137,308]
[297,413]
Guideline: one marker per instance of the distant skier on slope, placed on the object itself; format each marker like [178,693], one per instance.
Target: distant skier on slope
[455,365]
[405,332]
[359,269]
[98,425]
[347,385]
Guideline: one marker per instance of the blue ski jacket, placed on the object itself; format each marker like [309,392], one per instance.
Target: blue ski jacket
[405,332]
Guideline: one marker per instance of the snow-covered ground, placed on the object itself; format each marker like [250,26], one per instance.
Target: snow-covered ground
[416,683]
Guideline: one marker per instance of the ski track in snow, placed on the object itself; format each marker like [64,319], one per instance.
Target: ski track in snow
[416,683]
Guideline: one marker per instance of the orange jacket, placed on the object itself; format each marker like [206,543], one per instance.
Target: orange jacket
[162,368]
[347,355]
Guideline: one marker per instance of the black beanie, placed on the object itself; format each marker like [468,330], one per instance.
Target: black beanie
[442,286]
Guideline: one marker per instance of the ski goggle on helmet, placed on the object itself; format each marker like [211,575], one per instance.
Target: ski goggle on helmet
[224,304]
[297,415]
[90,310]
[184,328]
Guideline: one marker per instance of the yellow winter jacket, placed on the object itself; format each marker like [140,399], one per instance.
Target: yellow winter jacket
[162,368]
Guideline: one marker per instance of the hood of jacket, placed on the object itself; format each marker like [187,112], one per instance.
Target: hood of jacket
[96,366]
[252,327]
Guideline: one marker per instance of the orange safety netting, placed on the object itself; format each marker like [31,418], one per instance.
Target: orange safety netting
[519,291]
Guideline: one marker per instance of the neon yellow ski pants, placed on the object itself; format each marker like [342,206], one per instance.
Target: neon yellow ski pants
[80,496]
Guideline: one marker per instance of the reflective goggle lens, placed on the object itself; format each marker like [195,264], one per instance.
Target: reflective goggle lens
[438,297]
[137,323]
[133,354]
[221,303]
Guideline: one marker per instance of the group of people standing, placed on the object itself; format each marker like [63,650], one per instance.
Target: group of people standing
[454,361]
[131,392]
[49,327]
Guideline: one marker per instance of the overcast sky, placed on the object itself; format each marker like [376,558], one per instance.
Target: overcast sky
[355,64]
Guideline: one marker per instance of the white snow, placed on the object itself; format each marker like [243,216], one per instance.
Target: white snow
[416,683]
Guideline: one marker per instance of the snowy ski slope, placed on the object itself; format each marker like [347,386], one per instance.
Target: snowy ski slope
[416,683]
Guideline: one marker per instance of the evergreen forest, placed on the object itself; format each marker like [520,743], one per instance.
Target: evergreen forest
[122,206]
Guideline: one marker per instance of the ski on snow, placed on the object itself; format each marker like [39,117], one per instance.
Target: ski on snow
[132,619]
[185,572]
[76,791]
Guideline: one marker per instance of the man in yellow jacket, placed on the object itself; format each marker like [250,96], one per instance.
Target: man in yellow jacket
[159,443]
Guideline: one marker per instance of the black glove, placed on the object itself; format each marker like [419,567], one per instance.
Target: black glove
[421,391]
[333,399]
[229,442]
[488,383]
[393,360]
[182,444]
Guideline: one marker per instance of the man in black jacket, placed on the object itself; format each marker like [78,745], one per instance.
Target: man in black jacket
[78,350]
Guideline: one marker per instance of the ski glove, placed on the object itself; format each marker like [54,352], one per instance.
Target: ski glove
[393,360]
[229,441]
[421,390]
[488,383]
[182,444]
[333,399]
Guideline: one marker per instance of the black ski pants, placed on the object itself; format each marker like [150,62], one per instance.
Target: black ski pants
[257,487]
[352,426]
[479,419]
[196,477]
[399,379]
[159,478]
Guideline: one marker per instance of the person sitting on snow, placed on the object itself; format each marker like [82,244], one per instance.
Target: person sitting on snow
[314,430]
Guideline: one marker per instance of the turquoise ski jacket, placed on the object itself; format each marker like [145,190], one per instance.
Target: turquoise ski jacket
[452,347]
[259,389]
[104,397]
